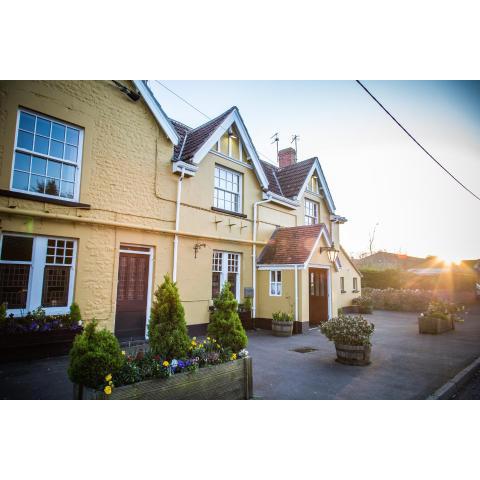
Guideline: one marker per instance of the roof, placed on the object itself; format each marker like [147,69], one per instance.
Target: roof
[290,245]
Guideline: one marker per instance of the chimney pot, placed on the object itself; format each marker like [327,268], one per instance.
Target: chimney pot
[286,157]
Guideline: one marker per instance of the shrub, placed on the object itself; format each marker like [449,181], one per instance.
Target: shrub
[348,330]
[75,316]
[167,329]
[444,310]
[94,355]
[3,316]
[225,325]
[364,304]
[399,299]
[282,317]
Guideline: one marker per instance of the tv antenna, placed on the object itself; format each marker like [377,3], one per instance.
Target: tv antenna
[295,138]
[276,139]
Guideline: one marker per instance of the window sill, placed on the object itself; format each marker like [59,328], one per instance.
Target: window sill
[355,291]
[343,291]
[228,212]
[37,198]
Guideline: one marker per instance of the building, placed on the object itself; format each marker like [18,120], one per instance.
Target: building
[102,194]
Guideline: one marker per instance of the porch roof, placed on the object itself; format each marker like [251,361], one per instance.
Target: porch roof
[291,245]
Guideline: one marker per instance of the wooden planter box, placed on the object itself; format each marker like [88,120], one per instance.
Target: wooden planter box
[247,320]
[353,354]
[33,345]
[282,329]
[435,325]
[228,381]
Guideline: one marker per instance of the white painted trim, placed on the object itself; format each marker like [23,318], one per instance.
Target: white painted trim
[279,266]
[285,202]
[240,187]
[156,109]
[329,241]
[276,282]
[233,117]
[77,164]
[188,169]
[323,183]
[329,286]
[224,272]
[296,292]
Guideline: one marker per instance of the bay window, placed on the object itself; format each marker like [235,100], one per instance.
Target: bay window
[227,191]
[47,157]
[36,271]
[225,267]
[311,212]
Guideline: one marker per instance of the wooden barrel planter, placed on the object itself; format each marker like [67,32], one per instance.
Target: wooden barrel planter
[282,329]
[434,325]
[353,354]
[228,381]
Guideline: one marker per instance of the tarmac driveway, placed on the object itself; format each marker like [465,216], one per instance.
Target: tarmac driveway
[405,364]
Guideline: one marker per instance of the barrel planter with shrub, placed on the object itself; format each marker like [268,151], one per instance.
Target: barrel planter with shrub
[364,305]
[282,324]
[351,335]
[245,314]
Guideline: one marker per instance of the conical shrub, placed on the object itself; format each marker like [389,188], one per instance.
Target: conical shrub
[225,325]
[167,329]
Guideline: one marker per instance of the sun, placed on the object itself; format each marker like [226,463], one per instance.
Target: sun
[450,261]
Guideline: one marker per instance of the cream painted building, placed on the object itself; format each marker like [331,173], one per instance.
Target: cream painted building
[102,194]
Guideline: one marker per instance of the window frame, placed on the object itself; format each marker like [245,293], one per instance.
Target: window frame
[77,165]
[310,184]
[317,209]
[355,284]
[224,269]
[240,188]
[36,275]
[342,285]
[278,282]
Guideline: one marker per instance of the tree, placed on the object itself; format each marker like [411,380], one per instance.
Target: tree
[225,325]
[167,329]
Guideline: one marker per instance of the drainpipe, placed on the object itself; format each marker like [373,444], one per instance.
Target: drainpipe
[177,224]
[296,293]
[254,254]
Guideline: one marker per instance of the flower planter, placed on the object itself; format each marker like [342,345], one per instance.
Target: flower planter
[434,325]
[228,381]
[246,319]
[33,345]
[282,329]
[353,354]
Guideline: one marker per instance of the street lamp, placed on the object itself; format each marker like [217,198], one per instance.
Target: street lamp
[332,252]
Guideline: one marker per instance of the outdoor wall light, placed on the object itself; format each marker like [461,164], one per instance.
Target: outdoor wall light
[197,247]
[231,133]
[332,252]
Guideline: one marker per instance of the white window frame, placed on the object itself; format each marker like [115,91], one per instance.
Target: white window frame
[36,276]
[342,284]
[275,284]
[240,188]
[224,271]
[77,164]
[310,185]
[311,219]
[355,284]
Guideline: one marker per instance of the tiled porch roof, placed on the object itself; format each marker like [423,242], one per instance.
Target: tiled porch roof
[290,245]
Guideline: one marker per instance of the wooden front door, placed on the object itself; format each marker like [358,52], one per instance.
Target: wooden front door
[132,291]
[318,292]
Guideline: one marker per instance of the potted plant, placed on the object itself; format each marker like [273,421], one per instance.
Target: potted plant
[282,324]
[440,317]
[364,304]
[245,314]
[351,335]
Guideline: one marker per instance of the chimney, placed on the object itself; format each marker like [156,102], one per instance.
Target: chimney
[286,157]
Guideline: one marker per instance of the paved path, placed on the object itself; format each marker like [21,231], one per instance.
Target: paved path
[405,364]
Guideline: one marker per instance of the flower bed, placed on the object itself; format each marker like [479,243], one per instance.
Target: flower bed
[37,335]
[440,317]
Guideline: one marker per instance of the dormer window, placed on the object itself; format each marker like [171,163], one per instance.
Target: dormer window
[312,185]
[311,212]
[228,190]
[230,145]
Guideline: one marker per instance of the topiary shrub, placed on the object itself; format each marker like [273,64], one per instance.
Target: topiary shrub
[225,325]
[75,316]
[94,355]
[167,330]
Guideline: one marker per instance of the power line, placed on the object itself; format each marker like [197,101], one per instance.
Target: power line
[418,143]
[199,111]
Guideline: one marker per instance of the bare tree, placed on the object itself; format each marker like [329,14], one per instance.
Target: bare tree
[372,238]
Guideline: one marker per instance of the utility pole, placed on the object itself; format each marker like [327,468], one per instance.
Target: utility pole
[275,140]
[295,138]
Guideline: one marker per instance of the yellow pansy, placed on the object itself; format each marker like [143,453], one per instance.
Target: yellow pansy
[123,352]
[165,364]
[234,356]
[208,338]
[108,389]
[108,377]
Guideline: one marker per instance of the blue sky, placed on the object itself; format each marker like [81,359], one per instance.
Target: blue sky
[375,172]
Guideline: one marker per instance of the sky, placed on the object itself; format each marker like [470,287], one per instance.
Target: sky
[375,172]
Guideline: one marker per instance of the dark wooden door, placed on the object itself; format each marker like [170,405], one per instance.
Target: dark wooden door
[318,291]
[132,291]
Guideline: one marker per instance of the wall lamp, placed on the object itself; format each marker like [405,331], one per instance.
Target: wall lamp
[332,252]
